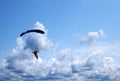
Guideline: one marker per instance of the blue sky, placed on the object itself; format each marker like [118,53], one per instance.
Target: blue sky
[82,37]
[64,19]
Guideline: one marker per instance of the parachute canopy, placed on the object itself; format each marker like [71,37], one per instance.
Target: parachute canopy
[33,30]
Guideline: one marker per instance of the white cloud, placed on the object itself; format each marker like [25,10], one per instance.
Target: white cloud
[37,41]
[40,26]
[98,65]
[20,66]
[101,33]
[64,52]
[92,37]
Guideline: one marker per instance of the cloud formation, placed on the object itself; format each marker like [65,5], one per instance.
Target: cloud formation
[36,41]
[92,37]
[99,64]
[63,53]
[96,67]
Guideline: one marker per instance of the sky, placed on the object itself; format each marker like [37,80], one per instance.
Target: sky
[78,32]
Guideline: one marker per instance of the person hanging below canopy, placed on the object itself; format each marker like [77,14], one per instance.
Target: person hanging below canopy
[35,53]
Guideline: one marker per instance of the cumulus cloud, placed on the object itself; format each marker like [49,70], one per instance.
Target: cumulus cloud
[20,65]
[37,41]
[64,52]
[92,37]
[96,66]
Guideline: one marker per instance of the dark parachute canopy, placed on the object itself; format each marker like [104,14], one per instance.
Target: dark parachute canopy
[33,30]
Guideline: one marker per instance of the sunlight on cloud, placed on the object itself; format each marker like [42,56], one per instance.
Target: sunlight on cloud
[37,41]
[98,64]
[63,53]
[92,37]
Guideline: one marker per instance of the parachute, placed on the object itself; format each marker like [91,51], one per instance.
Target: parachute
[33,30]
[36,31]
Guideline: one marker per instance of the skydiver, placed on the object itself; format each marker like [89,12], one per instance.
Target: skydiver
[36,53]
